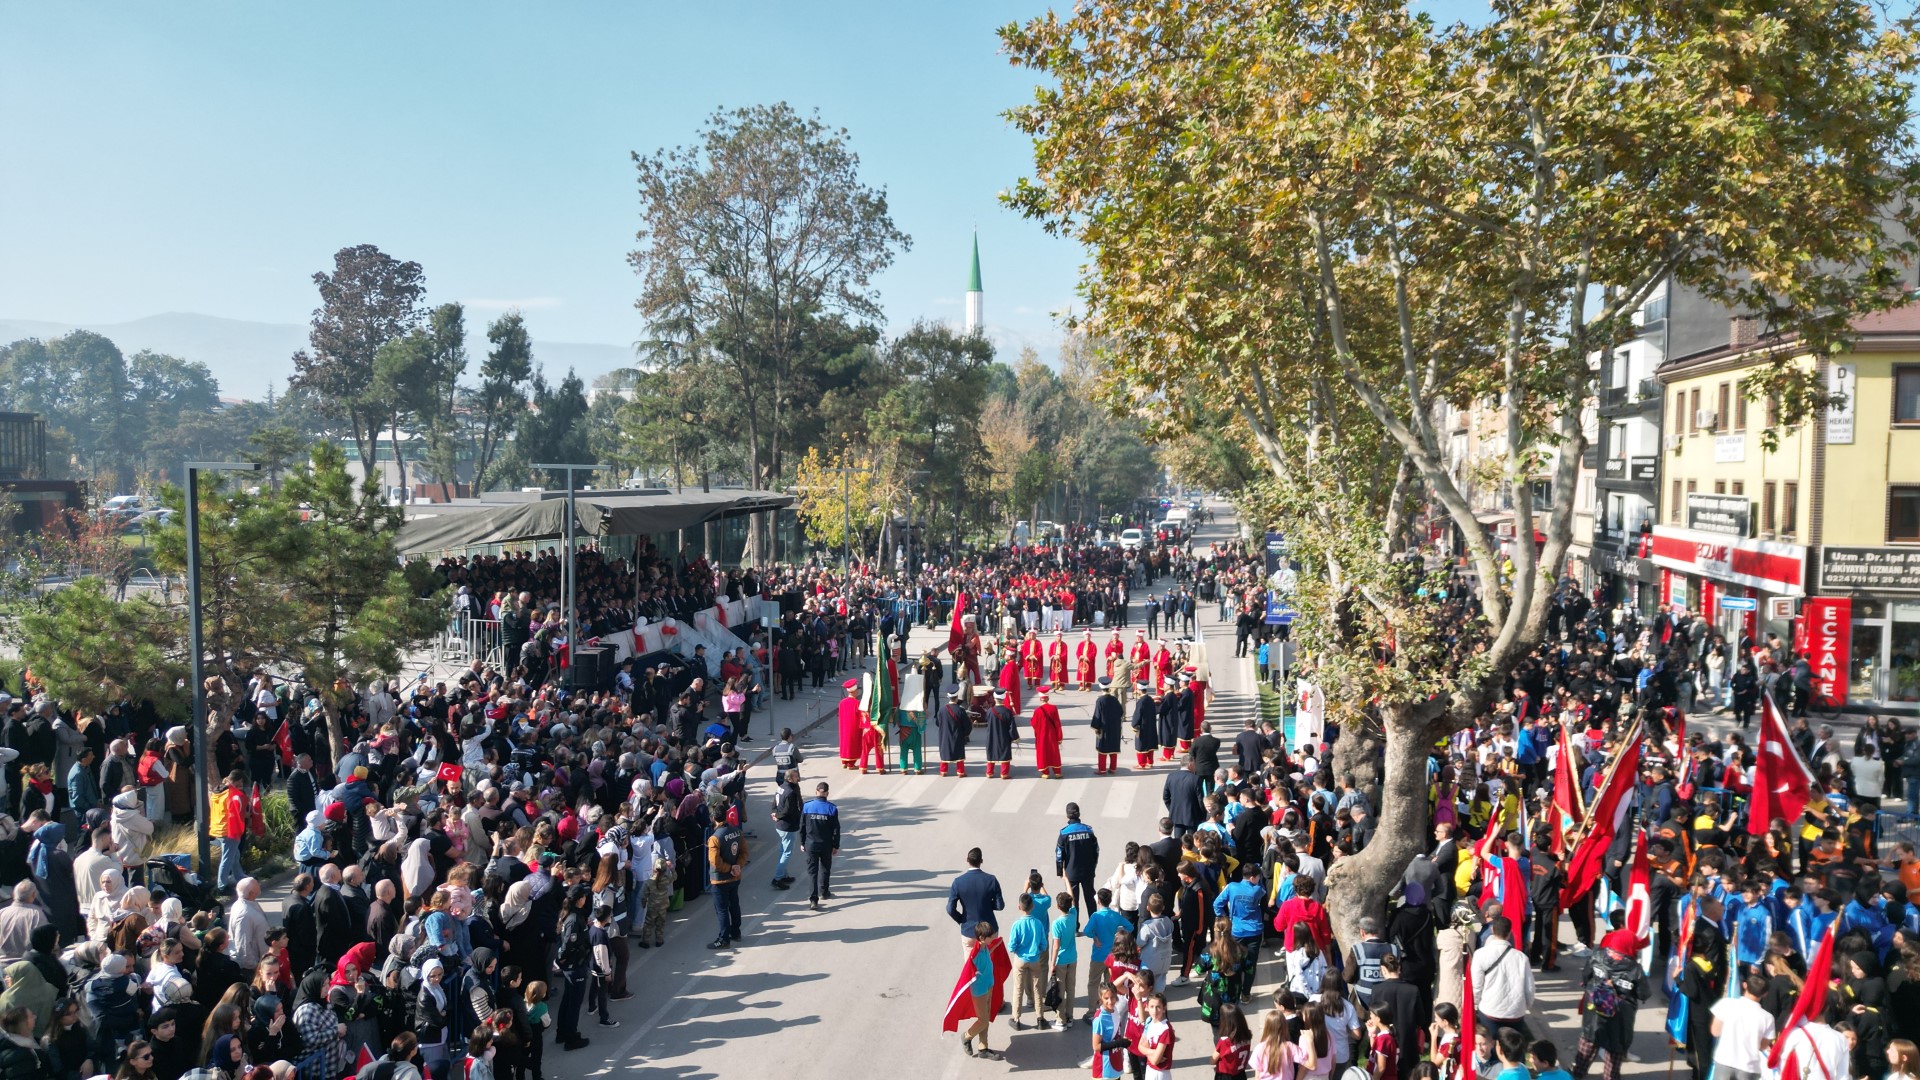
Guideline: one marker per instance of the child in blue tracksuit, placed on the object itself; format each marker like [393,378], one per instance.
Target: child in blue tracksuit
[1752,927]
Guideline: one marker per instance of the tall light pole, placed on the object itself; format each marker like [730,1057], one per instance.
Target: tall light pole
[846,548]
[567,574]
[201,733]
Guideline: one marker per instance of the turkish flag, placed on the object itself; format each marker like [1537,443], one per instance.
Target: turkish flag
[1468,1069]
[1813,993]
[1640,893]
[1604,818]
[1566,794]
[450,772]
[960,1005]
[1782,783]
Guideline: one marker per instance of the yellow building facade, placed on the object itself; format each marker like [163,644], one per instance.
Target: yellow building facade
[1818,539]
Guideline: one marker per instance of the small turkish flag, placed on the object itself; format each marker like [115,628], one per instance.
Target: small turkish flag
[450,772]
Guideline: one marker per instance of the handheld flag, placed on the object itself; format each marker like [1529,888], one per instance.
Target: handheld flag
[1469,1068]
[1813,993]
[1567,805]
[1782,783]
[960,1005]
[256,813]
[1608,813]
[1640,892]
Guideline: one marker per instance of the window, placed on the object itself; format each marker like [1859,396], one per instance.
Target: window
[1739,487]
[1719,487]
[1903,515]
[1766,508]
[1693,414]
[1789,507]
[1679,412]
[1739,409]
[1906,395]
[1724,413]
[1773,410]
[1673,505]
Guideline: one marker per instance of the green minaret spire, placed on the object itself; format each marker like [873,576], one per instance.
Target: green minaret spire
[973,279]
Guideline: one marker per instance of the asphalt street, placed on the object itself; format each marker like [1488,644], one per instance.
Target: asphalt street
[858,989]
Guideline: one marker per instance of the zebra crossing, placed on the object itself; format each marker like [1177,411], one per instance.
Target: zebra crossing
[1107,798]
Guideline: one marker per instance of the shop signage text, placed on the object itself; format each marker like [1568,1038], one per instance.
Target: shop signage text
[1870,569]
[1825,633]
[1731,515]
[1840,384]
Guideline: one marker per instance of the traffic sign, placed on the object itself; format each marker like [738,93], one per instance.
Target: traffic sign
[1739,603]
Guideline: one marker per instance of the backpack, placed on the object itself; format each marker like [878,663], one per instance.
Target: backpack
[1601,998]
[1212,991]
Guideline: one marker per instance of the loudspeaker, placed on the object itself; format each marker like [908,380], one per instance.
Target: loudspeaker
[592,668]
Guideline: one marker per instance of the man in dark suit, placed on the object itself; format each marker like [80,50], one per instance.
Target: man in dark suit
[1206,754]
[973,899]
[1250,748]
[1181,795]
[299,921]
[1166,851]
[334,928]
[516,628]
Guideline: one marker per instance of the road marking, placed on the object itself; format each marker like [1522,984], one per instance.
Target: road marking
[679,997]
[1071,791]
[964,789]
[1010,799]
[1120,801]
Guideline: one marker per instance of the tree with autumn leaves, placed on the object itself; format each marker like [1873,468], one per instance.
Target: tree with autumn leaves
[1334,218]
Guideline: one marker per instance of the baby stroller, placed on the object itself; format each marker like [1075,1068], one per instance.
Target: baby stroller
[171,875]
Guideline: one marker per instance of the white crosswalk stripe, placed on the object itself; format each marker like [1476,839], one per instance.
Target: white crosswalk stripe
[1070,791]
[1119,800]
[1010,799]
[963,792]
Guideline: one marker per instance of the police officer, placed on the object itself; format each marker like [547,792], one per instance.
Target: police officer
[820,839]
[1363,969]
[1076,858]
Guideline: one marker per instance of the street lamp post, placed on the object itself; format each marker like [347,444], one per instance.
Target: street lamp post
[846,550]
[201,733]
[567,574]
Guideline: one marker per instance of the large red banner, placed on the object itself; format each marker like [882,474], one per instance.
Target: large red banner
[1826,630]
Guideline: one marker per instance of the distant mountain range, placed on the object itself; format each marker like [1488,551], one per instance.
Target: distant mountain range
[245,357]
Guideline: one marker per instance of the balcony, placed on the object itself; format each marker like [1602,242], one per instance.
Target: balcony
[1613,395]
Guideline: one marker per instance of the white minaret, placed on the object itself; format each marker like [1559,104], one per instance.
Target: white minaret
[975,301]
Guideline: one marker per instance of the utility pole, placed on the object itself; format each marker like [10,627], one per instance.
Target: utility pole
[201,735]
[567,574]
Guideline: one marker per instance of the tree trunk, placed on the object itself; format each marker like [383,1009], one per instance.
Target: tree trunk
[1359,886]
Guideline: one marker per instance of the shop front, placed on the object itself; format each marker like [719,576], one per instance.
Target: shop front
[1746,588]
[1626,575]
[1868,610]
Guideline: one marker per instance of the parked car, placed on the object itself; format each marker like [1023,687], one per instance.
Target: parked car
[1131,539]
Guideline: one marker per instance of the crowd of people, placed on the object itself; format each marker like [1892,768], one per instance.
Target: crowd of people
[1779,930]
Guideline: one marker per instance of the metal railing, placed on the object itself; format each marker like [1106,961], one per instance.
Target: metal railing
[466,639]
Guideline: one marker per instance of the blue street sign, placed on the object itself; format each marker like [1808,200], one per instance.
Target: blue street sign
[1739,603]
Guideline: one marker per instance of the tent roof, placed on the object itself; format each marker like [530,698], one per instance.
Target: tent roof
[445,526]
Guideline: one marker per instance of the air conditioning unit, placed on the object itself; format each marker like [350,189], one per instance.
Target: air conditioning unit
[1706,418]
[1675,440]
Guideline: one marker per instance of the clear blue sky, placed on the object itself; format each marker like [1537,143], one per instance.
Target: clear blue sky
[209,157]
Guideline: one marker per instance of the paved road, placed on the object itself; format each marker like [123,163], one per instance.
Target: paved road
[857,990]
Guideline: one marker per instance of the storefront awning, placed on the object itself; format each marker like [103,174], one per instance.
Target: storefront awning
[1771,566]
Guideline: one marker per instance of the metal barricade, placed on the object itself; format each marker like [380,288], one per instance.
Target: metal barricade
[1892,826]
[467,639]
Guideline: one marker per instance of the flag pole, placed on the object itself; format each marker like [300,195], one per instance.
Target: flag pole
[1586,812]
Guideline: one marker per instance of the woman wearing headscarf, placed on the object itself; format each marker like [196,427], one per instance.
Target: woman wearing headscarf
[131,829]
[433,1017]
[358,961]
[105,903]
[29,989]
[130,919]
[518,936]
[320,1030]
[271,1036]
[180,775]
[53,875]
[229,1058]
[310,846]
[416,869]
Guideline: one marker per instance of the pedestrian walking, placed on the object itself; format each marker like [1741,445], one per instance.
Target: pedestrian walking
[820,839]
[787,817]
[973,898]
